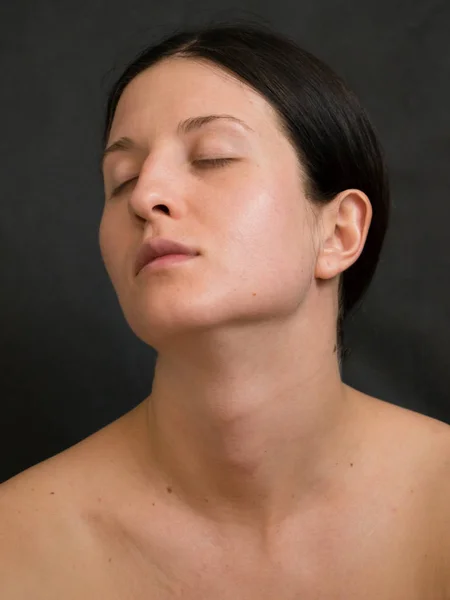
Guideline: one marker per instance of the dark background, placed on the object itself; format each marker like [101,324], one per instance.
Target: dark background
[69,362]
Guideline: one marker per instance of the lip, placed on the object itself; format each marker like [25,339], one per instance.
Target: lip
[171,250]
[165,261]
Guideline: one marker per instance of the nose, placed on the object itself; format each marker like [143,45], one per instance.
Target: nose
[156,190]
[146,205]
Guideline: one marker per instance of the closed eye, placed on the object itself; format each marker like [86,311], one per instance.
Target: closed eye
[215,162]
[204,162]
[120,187]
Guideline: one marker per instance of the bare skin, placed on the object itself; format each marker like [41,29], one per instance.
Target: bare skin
[86,524]
[251,471]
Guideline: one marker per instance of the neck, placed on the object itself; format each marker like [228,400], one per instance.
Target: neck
[247,432]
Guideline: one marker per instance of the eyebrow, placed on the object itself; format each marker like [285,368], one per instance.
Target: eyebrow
[125,144]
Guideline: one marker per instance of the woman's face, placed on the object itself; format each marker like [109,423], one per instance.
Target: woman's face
[248,217]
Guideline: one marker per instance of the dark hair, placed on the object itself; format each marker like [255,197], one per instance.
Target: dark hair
[331,132]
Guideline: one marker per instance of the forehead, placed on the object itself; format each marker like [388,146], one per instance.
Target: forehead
[178,88]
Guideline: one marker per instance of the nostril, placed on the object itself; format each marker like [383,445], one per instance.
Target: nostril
[163,207]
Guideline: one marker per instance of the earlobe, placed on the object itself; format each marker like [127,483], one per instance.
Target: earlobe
[345,226]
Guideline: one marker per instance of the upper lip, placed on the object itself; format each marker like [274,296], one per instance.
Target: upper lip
[159,247]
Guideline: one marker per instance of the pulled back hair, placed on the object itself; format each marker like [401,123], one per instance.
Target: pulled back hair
[322,118]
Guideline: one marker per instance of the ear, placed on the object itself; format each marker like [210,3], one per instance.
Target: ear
[344,223]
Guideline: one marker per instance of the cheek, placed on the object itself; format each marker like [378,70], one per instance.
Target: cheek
[111,246]
[268,231]
[266,248]
[103,240]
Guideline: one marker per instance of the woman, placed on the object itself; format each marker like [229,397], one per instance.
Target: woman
[251,471]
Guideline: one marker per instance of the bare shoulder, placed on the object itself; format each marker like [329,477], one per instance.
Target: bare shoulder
[42,522]
[419,446]
[415,442]
[33,522]
[57,488]
[439,492]
[408,428]
[22,514]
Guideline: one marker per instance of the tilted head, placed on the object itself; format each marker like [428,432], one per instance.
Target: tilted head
[303,139]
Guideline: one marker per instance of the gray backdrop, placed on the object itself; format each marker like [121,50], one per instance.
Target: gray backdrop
[69,362]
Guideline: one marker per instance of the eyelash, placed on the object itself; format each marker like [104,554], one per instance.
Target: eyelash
[215,162]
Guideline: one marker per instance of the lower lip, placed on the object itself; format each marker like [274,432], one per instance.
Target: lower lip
[166,260]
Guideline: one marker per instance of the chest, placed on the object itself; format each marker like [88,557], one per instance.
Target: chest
[367,547]
[380,557]
[350,575]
